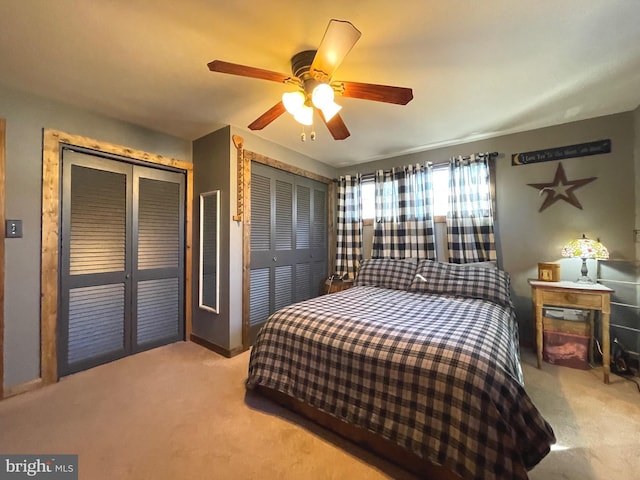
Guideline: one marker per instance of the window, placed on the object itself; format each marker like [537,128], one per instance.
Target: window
[368,200]
[440,192]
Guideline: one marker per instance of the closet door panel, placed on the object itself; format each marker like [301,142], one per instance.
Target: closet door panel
[303,217]
[260,213]
[158,310]
[284,217]
[285,243]
[94,295]
[260,306]
[96,325]
[283,286]
[158,264]
[303,282]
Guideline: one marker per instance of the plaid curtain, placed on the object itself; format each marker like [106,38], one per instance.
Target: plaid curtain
[470,235]
[404,214]
[349,225]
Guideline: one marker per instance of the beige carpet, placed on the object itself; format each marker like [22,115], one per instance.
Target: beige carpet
[181,412]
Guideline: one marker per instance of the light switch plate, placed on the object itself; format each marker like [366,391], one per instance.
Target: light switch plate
[13,229]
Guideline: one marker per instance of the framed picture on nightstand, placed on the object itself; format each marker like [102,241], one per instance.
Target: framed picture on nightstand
[549,272]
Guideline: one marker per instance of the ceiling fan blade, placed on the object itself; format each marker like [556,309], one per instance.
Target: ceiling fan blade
[336,126]
[338,40]
[244,71]
[267,117]
[377,93]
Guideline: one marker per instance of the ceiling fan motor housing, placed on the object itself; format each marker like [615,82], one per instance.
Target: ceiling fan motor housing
[301,68]
[301,63]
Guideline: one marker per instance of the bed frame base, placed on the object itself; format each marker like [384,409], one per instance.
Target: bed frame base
[363,438]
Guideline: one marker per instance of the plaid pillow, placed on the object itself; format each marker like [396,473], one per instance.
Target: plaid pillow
[386,273]
[462,281]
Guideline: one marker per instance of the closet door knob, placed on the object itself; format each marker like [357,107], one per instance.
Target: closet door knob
[274,259]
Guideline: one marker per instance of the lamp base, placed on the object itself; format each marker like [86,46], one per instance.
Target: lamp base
[585,279]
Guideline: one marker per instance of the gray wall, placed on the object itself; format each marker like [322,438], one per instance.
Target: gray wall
[211,167]
[26,116]
[611,205]
[215,167]
[636,156]
[526,237]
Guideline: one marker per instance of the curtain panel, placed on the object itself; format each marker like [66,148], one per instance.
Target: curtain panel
[349,225]
[404,226]
[470,232]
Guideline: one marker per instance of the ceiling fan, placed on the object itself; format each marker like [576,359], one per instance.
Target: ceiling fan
[314,85]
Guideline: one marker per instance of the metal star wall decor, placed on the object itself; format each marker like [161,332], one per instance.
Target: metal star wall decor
[560,189]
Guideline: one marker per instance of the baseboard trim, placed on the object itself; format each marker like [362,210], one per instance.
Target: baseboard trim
[216,348]
[23,388]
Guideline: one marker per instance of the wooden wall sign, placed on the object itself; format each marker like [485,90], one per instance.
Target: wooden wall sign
[559,153]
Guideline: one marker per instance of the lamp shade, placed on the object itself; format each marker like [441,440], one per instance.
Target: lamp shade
[322,95]
[293,101]
[585,248]
[304,115]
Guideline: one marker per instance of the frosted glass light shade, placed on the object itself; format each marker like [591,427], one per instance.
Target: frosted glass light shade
[322,95]
[304,115]
[322,98]
[293,101]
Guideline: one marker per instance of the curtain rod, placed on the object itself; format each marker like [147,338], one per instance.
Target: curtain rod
[367,176]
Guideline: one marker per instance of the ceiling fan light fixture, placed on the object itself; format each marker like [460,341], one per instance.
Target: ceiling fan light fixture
[293,101]
[315,68]
[322,95]
[304,115]
[322,98]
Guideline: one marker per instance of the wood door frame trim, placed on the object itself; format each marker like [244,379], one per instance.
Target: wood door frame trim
[244,159]
[53,140]
[3,139]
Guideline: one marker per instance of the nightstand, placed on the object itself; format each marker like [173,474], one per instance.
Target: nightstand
[588,296]
[332,286]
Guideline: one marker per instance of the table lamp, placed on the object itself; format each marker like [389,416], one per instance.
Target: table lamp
[585,248]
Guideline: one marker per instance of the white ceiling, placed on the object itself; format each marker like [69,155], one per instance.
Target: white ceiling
[477,69]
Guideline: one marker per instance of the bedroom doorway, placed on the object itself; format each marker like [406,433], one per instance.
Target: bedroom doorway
[121,262]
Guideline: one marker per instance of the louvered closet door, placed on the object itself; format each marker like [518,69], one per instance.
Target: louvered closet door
[288,241]
[158,260]
[311,238]
[121,266]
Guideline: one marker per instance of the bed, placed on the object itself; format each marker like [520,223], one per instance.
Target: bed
[419,361]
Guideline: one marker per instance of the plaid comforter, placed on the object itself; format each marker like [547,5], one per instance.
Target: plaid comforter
[439,376]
